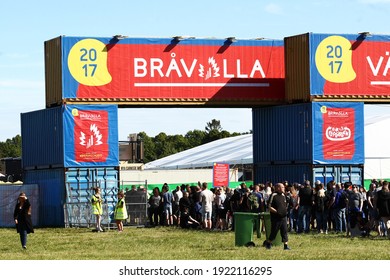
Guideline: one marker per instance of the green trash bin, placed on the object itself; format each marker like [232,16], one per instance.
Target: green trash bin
[244,225]
[267,224]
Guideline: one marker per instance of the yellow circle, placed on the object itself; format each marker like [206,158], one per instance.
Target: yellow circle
[333,60]
[87,63]
[75,112]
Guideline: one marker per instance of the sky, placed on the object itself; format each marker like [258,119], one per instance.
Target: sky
[26,25]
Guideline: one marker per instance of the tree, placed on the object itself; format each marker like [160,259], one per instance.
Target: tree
[11,147]
[195,138]
[213,126]
[149,147]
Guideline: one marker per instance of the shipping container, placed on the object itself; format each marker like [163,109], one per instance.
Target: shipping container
[9,194]
[51,184]
[164,71]
[309,133]
[70,136]
[298,173]
[337,67]
[64,194]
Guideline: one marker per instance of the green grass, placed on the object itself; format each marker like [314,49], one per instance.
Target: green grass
[163,243]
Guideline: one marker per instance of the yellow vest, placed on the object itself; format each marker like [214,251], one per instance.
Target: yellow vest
[120,210]
[96,205]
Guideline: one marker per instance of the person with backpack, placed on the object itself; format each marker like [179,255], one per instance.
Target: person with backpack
[340,205]
[256,200]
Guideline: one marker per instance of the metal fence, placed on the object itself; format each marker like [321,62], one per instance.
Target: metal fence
[78,207]
[137,207]
[80,214]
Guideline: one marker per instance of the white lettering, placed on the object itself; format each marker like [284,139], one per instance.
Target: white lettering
[173,67]
[375,70]
[140,67]
[257,67]
[387,66]
[239,75]
[155,65]
[225,74]
[188,71]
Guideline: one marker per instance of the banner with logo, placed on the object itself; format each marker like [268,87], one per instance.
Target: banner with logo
[349,64]
[168,69]
[338,132]
[91,135]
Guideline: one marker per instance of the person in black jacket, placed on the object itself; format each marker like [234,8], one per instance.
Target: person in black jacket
[278,211]
[22,217]
[383,205]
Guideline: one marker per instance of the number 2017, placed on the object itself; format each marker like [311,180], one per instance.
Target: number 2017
[335,52]
[88,55]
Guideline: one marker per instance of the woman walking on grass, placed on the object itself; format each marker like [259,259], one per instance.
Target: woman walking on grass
[22,217]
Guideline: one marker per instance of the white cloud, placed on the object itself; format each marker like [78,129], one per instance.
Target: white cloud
[273,9]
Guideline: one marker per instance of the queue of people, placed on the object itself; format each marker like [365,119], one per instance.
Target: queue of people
[204,206]
[342,208]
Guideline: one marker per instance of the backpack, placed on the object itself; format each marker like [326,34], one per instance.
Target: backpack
[253,202]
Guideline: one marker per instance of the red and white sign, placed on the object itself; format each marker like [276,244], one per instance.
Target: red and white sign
[242,71]
[220,174]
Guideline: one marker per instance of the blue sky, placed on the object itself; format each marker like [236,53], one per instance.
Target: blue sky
[26,24]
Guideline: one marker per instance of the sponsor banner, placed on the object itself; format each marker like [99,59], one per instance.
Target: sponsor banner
[91,135]
[220,174]
[349,64]
[207,69]
[338,133]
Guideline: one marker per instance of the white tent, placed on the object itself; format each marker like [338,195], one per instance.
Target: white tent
[232,150]
[377,147]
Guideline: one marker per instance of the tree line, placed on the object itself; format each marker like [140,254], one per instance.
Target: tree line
[157,147]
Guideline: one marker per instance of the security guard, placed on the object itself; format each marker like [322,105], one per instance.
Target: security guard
[278,212]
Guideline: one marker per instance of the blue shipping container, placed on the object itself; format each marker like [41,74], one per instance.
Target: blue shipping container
[70,136]
[298,173]
[309,133]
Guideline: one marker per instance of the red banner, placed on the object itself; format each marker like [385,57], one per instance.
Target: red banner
[91,135]
[198,69]
[220,174]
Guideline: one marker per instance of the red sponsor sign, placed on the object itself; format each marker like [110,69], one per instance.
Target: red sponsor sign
[339,133]
[205,69]
[90,135]
[220,174]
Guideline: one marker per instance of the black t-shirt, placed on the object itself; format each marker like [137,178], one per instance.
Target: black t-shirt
[305,196]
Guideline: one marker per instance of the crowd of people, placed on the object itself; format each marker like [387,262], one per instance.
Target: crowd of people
[342,208]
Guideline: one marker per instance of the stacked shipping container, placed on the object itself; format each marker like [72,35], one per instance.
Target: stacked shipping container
[309,141]
[67,150]
[320,139]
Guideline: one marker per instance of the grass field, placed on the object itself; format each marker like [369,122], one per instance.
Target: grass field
[170,243]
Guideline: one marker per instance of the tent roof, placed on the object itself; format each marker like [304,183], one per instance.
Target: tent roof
[232,150]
